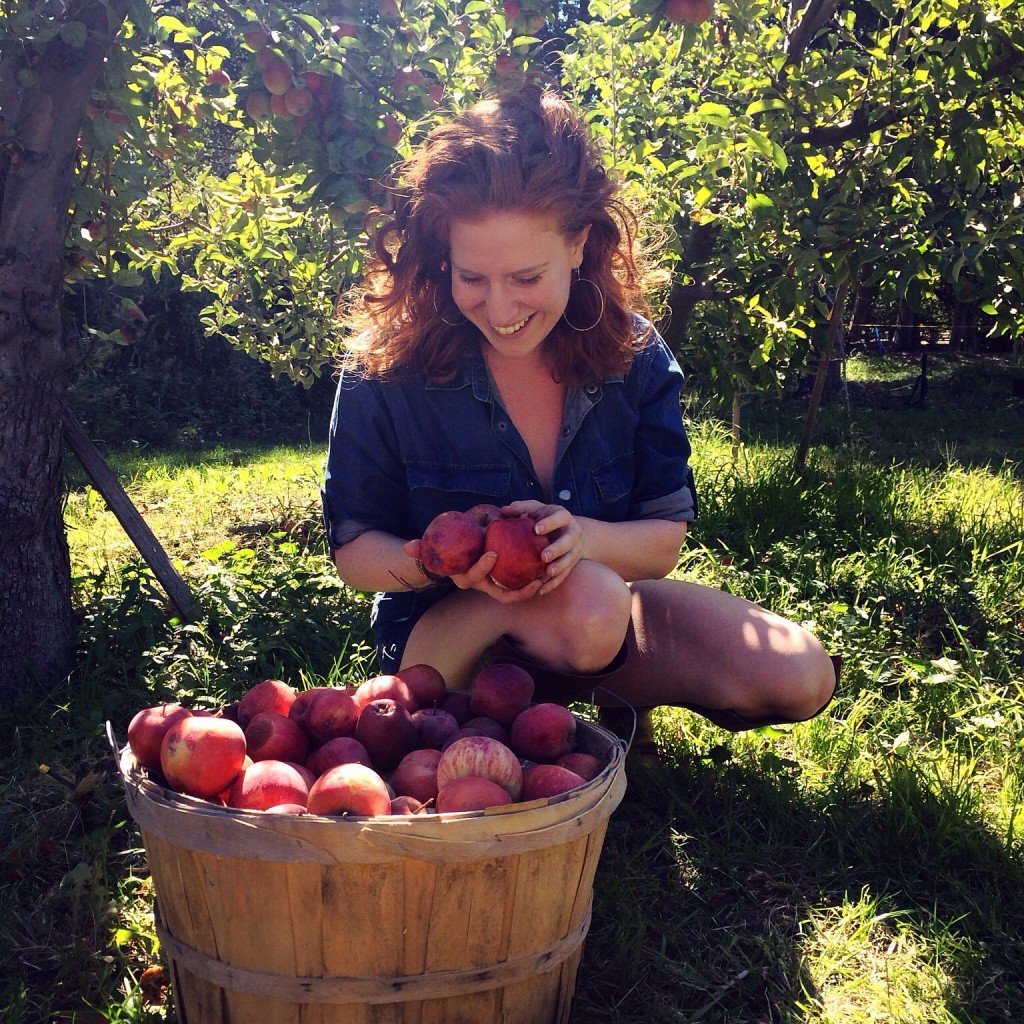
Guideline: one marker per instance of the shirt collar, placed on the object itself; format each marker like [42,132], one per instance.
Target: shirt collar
[472,372]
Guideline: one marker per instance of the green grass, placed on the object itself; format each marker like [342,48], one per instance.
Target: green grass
[865,866]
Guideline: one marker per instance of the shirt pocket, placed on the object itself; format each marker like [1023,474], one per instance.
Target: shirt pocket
[439,487]
[613,484]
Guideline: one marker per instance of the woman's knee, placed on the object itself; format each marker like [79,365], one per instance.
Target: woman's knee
[588,620]
[804,683]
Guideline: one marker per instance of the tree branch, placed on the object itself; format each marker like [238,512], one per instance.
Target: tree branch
[860,126]
[816,13]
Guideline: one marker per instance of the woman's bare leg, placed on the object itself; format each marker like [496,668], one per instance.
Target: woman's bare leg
[701,646]
[577,628]
[692,646]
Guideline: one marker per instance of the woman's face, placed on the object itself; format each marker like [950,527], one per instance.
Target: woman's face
[510,276]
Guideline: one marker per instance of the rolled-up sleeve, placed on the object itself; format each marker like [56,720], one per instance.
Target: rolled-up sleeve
[664,485]
[364,481]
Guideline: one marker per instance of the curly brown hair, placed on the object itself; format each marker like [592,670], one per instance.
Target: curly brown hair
[524,150]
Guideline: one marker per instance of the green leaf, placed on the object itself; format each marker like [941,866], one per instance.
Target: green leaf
[760,106]
[176,29]
[74,33]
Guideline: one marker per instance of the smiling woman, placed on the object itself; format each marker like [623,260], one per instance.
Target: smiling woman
[503,358]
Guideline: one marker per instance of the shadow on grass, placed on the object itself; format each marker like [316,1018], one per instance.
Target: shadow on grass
[970,416]
[710,874]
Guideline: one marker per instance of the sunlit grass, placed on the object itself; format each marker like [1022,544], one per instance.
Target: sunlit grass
[864,866]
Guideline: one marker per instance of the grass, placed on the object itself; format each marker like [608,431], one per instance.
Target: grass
[865,866]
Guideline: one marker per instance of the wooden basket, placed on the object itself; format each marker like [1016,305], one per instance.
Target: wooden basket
[471,917]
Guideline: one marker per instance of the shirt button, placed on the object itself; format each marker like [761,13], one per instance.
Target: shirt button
[564,495]
[565,431]
[591,389]
[502,425]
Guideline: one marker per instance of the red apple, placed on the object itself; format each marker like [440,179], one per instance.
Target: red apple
[266,784]
[425,682]
[277,77]
[315,81]
[417,775]
[586,766]
[488,727]
[279,108]
[544,732]
[257,106]
[298,101]
[332,713]
[389,688]
[219,78]
[470,793]
[147,730]
[286,809]
[202,756]
[457,703]
[392,130]
[518,549]
[387,731]
[433,727]
[462,734]
[501,691]
[484,758]
[349,789]
[269,695]
[506,64]
[271,736]
[255,36]
[344,29]
[687,12]
[229,711]
[307,776]
[299,711]
[484,514]
[451,544]
[544,780]
[341,750]
[407,805]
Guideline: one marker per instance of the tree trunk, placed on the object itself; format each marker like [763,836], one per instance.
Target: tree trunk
[861,315]
[42,98]
[963,334]
[698,248]
[908,334]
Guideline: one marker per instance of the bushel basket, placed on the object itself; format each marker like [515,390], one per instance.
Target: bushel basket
[470,917]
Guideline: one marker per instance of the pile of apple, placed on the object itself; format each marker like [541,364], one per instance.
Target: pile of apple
[395,744]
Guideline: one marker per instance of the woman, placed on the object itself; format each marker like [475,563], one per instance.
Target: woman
[502,360]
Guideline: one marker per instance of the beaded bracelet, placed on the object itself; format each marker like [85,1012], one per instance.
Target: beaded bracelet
[427,574]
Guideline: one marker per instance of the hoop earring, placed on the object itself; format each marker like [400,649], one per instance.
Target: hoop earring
[600,295]
[457,323]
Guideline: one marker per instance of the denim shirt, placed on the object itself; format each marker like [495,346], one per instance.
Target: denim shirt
[404,450]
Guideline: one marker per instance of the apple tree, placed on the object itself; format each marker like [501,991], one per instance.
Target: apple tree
[108,109]
[798,151]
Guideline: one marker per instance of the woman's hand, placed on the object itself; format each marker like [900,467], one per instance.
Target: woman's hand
[566,544]
[478,577]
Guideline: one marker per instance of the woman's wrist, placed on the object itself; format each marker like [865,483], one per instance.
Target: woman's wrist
[432,578]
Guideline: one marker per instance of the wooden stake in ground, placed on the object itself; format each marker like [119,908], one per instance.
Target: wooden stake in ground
[105,481]
[835,325]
